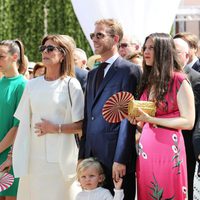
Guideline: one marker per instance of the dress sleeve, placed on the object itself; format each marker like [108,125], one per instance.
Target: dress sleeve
[23,105]
[119,194]
[178,80]
[19,93]
[21,147]
[77,100]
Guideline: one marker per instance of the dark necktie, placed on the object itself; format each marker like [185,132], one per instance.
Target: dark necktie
[100,74]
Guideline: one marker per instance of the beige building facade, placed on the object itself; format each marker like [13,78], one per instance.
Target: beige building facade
[188,17]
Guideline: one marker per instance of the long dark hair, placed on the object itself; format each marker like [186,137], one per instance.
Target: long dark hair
[165,63]
[16,46]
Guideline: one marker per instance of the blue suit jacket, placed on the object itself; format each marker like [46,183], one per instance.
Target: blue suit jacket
[109,142]
[196,65]
[81,75]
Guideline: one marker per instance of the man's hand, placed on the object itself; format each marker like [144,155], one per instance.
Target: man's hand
[118,171]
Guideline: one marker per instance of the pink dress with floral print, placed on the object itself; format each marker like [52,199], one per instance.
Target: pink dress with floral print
[161,164]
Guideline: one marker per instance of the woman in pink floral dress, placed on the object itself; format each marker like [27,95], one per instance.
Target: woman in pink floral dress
[161,164]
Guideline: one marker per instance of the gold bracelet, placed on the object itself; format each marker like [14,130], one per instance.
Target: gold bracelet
[59,128]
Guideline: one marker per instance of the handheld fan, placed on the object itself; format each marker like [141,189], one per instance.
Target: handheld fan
[116,107]
[6,180]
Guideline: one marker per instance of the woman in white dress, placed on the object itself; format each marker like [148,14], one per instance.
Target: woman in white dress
[45,150]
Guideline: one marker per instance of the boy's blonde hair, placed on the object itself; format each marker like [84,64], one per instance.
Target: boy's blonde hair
[90,162]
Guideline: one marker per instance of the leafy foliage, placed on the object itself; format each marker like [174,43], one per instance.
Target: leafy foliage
[30,20]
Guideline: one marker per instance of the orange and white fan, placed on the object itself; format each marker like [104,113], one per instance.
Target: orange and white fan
[116,107]
[121,104]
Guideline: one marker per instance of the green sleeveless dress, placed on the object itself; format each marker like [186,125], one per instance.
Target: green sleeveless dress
[11,90]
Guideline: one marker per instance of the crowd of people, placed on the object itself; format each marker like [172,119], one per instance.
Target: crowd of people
[55,140]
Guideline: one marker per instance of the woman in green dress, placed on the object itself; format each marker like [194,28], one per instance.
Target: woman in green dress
[11,86]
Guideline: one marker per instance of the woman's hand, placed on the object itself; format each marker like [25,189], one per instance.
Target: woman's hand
[143,117]
[6,165]
[131,119]
[44,127]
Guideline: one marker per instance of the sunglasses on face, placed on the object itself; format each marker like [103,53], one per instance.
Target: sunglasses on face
[98,35]
[49,48]
[123,45]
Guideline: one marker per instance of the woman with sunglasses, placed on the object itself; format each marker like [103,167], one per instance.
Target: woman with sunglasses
[11,86]
[46,163]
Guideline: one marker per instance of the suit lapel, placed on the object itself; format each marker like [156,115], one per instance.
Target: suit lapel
[111,72]
[94,84]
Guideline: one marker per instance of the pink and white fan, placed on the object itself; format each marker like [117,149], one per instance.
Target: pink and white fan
[6,181]
[116,107]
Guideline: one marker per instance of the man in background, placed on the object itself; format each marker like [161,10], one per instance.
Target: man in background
[194,77]
[128,46]
[192,41]
[80,58]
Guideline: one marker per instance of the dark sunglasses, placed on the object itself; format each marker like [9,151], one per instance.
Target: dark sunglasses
[98,35]
[123,45]
[49,48]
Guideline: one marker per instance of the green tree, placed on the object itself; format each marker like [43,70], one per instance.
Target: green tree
[30,20]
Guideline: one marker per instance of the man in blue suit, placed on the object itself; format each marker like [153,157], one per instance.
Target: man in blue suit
[112,144]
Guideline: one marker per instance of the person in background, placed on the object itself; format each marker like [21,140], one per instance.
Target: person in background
[28,72]
[39,69]
[196,144]
[80,74]
[91,177]
[30,69]
[46,162]
[161,165]
[12,85]
[1,74]
[128,46]
[93,61]
[198,50]
[80,58]
[112,144]
[182,49]
[192,41]
[136,58]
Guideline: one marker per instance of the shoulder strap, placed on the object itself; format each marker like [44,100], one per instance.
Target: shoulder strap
[70,99]
[76,136]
